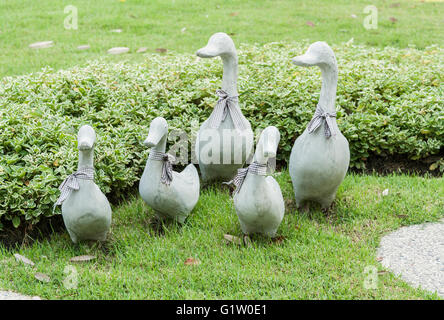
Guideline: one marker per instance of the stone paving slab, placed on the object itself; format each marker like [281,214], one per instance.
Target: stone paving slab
[416,254]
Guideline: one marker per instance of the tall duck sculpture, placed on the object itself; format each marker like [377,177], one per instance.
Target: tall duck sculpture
[225,140]
[85,209]
[258,198]
[320,157]
[171,194]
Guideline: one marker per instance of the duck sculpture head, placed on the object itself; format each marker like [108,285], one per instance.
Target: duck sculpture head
[318,54]
[219,44]
[86,138]
[157,133]
[267,145]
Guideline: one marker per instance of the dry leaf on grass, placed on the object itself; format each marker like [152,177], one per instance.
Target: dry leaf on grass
[84,258]
[278,239]
[233,239]
[309,23]
[161,50]
[23,259]
[191,262]
[42,277]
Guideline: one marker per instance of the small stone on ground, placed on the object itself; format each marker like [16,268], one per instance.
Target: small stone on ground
[84,47]
[416,253]
[9,295]
[41,45]
[118,50]
[143,49]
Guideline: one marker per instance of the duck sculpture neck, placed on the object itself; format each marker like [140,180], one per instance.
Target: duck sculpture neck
[327,97]
[161,146]
[86,158]
[86,141]
[229,78]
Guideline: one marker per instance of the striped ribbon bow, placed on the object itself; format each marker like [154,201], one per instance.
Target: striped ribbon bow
[167,167]
[225,105]
[319,116]
[72,183]
[253,168]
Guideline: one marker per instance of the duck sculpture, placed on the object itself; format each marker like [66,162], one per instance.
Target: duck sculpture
[320,157]
[225,140]
[171,194]
[85,209]
[258,198]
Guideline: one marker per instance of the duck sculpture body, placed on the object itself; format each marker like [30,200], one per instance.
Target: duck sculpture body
[85,209]
[171,194]
[258,198]
[320,157]
[225,140]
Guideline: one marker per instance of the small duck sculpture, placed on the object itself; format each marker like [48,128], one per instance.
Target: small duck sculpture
[85,209]
[320,157]
[171,194]
[225,140]
[258,198]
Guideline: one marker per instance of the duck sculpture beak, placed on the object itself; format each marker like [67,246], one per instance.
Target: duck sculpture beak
[270,149]
[207,52]
[152,140]
[271,142]
[86,138]
[304,60]
[86,144]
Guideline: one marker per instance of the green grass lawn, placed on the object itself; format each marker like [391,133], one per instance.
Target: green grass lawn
[160,24]
[315,257]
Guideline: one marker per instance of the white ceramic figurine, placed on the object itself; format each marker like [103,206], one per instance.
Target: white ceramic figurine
[258,198]
[85,209]
[320,156]
[171,194]
[225,139]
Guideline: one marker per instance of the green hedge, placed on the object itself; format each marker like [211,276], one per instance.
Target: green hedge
[389,102]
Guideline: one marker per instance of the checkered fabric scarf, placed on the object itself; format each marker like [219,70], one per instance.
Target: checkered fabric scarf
[72,183]
[253,168]
[320,116]
[167,167]
[225,105]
